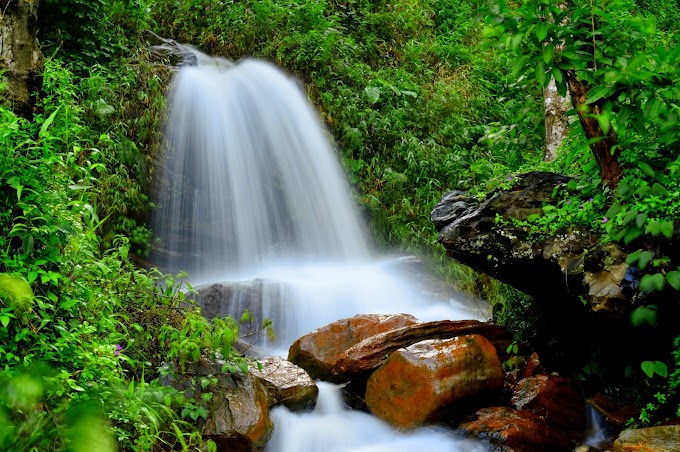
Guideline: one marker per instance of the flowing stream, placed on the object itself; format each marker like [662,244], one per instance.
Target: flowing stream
[252,194]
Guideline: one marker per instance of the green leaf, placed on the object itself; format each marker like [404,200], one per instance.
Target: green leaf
[640,220]
[598,93]
[4,320]
[646,169]
[373,93]
[652,282]
[644,259]
[102,109]
[542,31]
[15,291]
[631,234]
[660,369]
[667,229]
[644,315]
[48,122]
[540,75]
[548,53]
[648,368]
[633,257]
[673,279]
[654,228]
[613,210]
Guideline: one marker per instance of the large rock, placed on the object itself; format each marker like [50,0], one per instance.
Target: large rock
[317,352]
[653,439]
[360,360]
[553,398]
[237,415]
[614,413]
[568,261]
[286,384]
[583,291]
[514,430]
[420,383]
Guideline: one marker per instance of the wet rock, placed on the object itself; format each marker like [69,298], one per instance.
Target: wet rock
[169,50]
[237,415]
[515,430]
[553,398]
[285,384]
[525,367]
[363,358]
[539,267]
[653,439]
[317,352]
[420,383]
[614,413]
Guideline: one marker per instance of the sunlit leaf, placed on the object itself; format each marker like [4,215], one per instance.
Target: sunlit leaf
[373,93]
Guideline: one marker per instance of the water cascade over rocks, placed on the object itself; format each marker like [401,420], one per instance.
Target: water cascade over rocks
[253,205]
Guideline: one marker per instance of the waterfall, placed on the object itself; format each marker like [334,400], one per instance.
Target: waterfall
[252,195]
[250,177]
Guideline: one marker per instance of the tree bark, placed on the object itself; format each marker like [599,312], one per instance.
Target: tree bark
[19,53]
[556,120]
[602,144]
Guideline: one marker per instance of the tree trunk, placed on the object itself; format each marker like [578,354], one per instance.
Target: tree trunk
[602,144]
[19,53]
[556,120]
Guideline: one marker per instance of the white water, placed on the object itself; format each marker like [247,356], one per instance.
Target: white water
[332,428]
[251,177]
[253,192]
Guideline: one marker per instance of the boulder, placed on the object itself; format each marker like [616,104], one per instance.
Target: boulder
[540,267]
[524,367]
[515,430]
[237,415]
[317,352]
[652,439]
[553,398]
[614,413]
[360,360]
[285,384]
[163,49]
[421,383]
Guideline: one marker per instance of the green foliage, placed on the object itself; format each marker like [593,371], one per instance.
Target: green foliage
[79,324]
[401,86]
[626,56]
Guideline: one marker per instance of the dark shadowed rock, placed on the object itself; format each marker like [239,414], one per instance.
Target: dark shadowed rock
[318,351]
[286,384]
[515,430]
[237,414]
[418,384]
[614,413]
[553,398]
[538,267]
[362,359]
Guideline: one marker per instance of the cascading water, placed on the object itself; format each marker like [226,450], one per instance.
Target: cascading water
[253,193]
[251,178]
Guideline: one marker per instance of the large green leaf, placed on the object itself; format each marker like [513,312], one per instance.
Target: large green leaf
[15,291]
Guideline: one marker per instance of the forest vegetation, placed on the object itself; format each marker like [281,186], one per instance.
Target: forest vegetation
[420,96]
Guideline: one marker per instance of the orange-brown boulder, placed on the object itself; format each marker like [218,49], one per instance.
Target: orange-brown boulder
[419,383]
[553,398]
[363,358]
[516,430]
[614,413]
[318,351]
[653,439]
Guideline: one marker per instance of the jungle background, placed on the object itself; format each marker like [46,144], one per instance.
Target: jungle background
[420,96]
